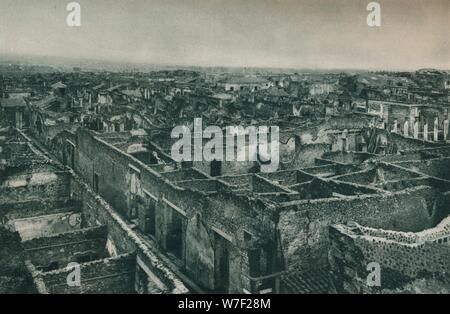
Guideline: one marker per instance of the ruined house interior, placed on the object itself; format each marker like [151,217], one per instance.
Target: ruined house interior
[136,221]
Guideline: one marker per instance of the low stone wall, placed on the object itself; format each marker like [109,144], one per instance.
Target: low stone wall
[113,275]
[14,277]
[66,247]
[36,207]
[52,185]
[403,258]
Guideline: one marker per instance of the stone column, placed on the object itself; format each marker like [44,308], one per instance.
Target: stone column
[425,132]
[406,129]
[436,130]
[394,127]
[413,114]
[445,129]
[344,140]
[416,130]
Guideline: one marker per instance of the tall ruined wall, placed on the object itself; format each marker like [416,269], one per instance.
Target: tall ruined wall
[221,212]
[408,262]
[121,238]
[14,277]
[91,157]
[60,145]
[304,225]
[46,225]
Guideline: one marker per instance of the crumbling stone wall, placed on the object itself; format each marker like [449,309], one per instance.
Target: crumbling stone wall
[304,225]
[63,145]
[439,168]
[263,185]
[66,247]
[52,185]
[114,275]
[91,158]
[406,143]
[345,188]
[121,237]
[404,260]
[200,252]
[306,154]
[223,211]
[36,207]
[47,225]
[380,174]
[14,277]
[349,121]
[227,214]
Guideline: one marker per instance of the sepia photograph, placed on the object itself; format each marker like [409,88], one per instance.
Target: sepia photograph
[203,148]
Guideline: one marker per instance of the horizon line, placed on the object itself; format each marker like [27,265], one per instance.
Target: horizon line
[174,65]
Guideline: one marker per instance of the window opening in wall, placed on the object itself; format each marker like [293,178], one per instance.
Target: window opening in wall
[221,264]
[175,237]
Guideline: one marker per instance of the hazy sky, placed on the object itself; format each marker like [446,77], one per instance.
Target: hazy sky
[273,33]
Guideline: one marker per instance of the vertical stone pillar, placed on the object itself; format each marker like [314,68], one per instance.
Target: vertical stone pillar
[436,130]
[18,119]
[245,273]
[344,140]
[406,129]
[445,129]
[413,115]
[416,129]
[394,127]
[425,131]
